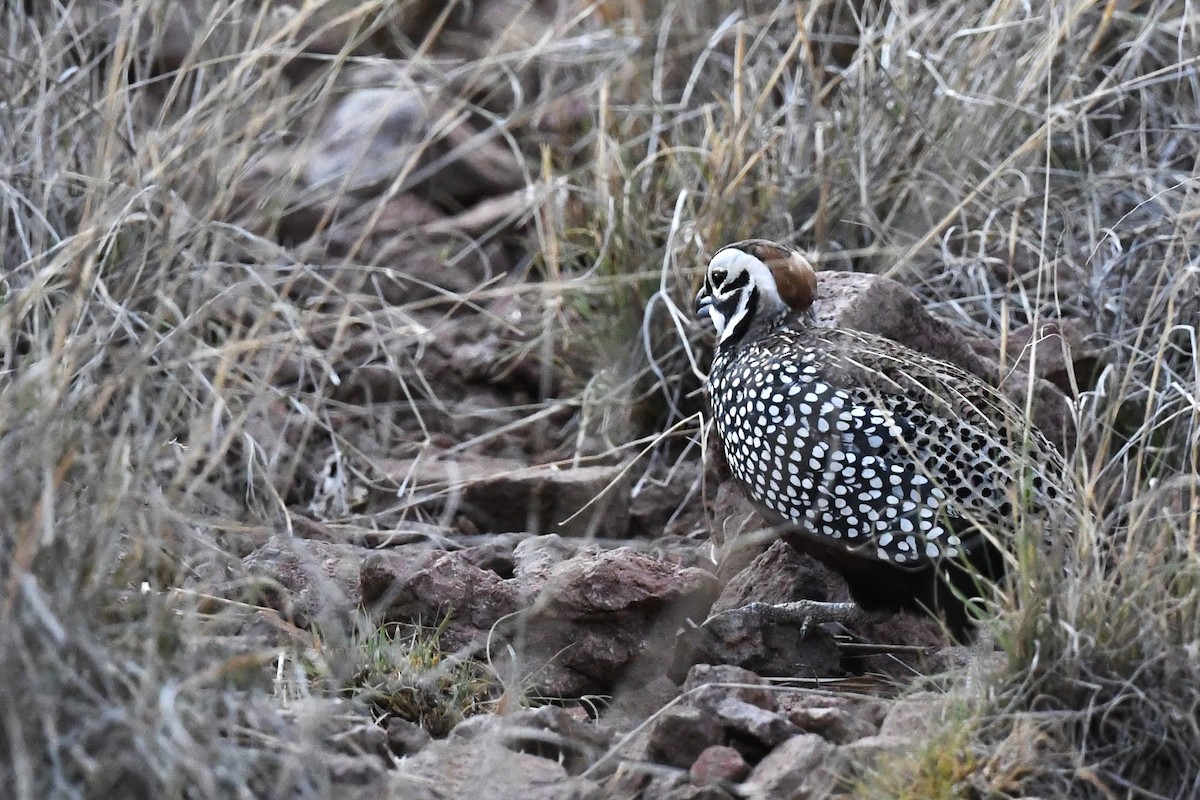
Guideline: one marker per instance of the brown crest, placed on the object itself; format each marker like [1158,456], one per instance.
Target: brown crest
[795,278]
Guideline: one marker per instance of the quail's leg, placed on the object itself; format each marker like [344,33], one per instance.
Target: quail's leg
[804,613]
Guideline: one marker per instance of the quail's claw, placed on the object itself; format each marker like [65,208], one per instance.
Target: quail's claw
[804,613]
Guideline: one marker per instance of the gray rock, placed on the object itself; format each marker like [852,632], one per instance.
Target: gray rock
[864,753]
[633,704]
[747,720]
[386,126]
[721,706]
[550,732]
[835,724]
[690,791]
[674,787]
[802,767]
[709,684]
[364,739]
[916,716]
[535,557]
[460,768]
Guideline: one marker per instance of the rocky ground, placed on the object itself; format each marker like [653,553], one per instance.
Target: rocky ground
[582,579]
[588,591]
[358,418]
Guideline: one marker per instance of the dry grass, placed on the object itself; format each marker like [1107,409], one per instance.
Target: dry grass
[183,335]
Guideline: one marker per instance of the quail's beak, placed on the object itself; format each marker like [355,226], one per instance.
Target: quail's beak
[703,303]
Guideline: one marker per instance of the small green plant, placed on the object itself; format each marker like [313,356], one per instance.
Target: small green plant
[938,770]
[406,673]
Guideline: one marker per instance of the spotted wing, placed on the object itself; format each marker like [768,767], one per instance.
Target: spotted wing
[838,461]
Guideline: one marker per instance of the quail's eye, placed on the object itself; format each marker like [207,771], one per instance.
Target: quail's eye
[718,277]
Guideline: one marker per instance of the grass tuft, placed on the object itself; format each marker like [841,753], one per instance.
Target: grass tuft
[404,673]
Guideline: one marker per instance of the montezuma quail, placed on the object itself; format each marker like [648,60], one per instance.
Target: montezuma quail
[897,470]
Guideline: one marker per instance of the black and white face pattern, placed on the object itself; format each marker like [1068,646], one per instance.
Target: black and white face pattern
[736,286]
[835,459]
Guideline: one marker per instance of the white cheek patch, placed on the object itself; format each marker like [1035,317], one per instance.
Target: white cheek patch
[718,320]
[728,326]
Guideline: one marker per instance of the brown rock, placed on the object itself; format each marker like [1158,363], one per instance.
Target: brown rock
[319,579]
[920,633]
[768,648]
[765,647]
[736,526]
[718,764]
[776,576]
[884,307]
[1058,351]
[405,738]
[429,586]
[668,508]
[584,501]
[681,733]
[619,581]
[1056,359]
[802,767]
[494,555]
[600,617]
